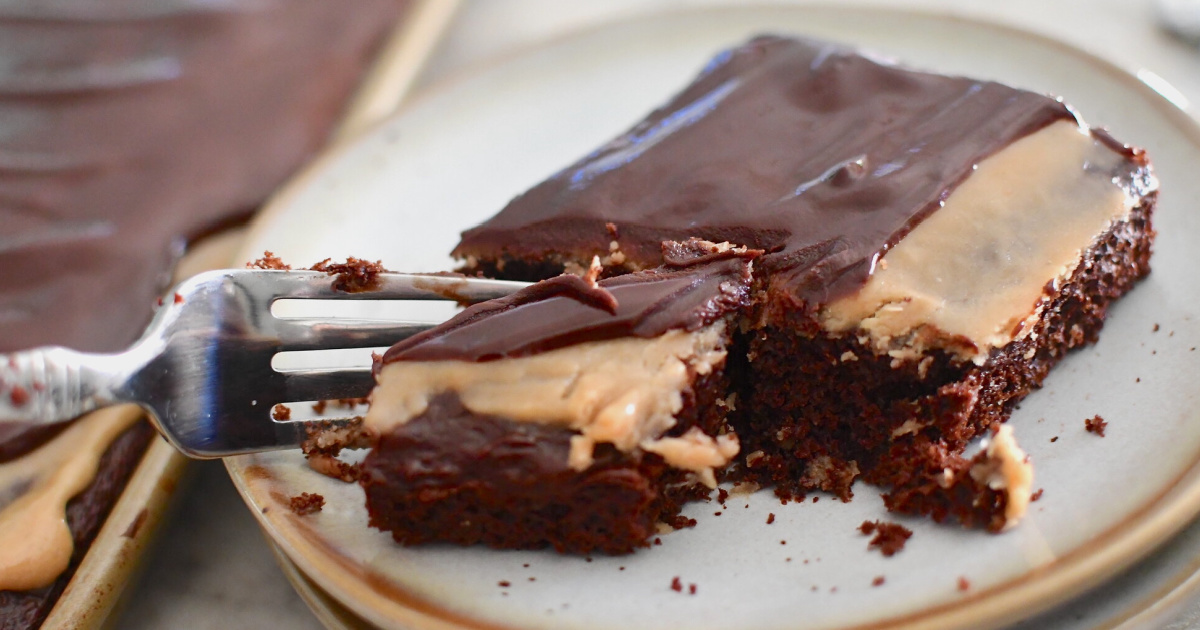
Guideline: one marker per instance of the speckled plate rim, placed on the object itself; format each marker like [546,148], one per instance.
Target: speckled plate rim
[1155,609]
[1106,554]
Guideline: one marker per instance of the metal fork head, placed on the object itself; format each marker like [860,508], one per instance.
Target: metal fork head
[205,364]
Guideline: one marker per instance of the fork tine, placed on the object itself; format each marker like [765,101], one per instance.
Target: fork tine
[327,384]
[319,334]
[306,284]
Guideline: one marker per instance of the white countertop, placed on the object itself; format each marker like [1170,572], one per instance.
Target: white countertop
[212,567]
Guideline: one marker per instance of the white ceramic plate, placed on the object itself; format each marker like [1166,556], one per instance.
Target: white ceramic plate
[457,154]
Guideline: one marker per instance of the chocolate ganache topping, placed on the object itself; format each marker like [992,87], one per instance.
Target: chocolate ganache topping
[810,151]
[129,127]
[689,294]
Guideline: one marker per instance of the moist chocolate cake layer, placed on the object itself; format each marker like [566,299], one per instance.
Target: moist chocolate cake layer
[453,476]
[901,425]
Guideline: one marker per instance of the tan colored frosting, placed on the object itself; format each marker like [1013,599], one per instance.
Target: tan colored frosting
[1019,222]
[1006,467]
[625,392]
[696,451]
[35,542]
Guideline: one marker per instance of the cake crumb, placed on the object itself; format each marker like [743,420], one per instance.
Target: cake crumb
[676,584]
[353,276]
[281,412]
[889,537]
[503,584]
[268,261]
[178,299]
[770,518]
[878,581]
[658,541]
[1095,425]
[691,589]
[532,579]
[1156,327]
[1036,495]
[325,439]
[305,503]
[783,542]
[679,521]
[963,583]
[722,494]
[1054,439]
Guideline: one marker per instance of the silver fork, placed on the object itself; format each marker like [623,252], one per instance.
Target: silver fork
[203,368]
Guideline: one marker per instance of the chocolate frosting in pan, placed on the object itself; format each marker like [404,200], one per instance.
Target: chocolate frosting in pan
[565,310]
[128,127]
[819,155]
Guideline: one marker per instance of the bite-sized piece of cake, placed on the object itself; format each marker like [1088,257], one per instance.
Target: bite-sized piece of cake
[570,414]
[934,245]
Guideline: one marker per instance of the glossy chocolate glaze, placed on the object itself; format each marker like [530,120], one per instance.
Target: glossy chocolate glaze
[128,127]
[819,155]
[566,310]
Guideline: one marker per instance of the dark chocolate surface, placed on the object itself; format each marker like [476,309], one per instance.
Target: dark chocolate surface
[567,310]
[820,156]
[128,127]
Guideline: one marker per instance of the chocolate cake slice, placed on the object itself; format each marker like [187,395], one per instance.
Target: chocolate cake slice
[933,246]
[572,415]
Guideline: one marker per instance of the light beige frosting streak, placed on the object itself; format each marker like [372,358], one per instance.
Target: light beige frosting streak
[625,392]
[1006,468]
[35,542]
[970,277]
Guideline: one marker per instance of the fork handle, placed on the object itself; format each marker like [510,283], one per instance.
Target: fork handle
[49,385]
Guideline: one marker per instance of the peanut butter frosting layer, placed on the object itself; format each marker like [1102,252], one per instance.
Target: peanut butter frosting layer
[625,392]
[820,155]
[972,276]
[35,541]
